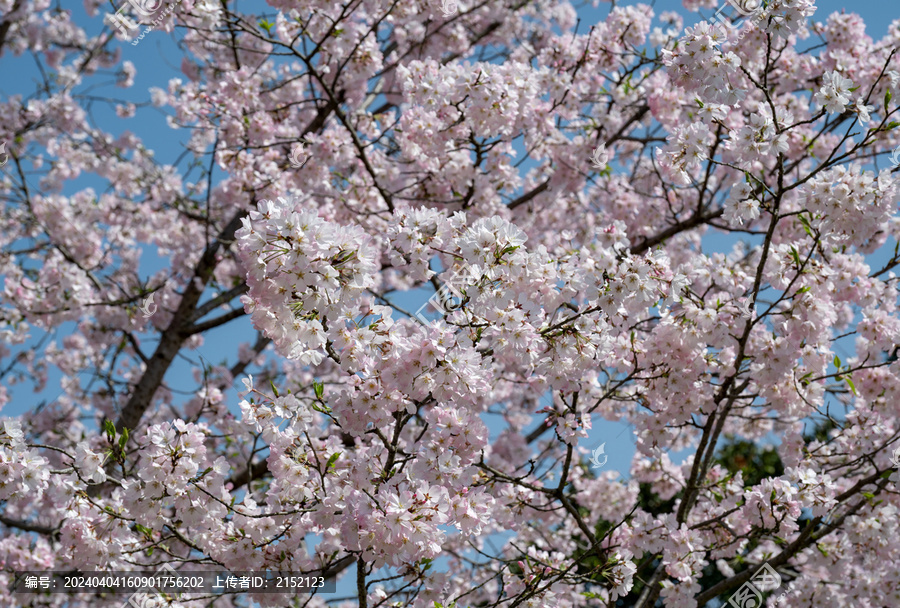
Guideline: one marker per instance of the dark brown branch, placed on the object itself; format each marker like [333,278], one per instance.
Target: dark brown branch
[27,527]
[528,196]
[213,323]
[361,595]
[659,238]
[7,23]
[174,336]
[255,471]
[217,301]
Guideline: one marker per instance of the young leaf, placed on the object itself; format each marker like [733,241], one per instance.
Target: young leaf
[850,384]
[804,221]
[332,460]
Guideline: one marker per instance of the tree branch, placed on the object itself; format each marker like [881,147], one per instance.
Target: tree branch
[27,527]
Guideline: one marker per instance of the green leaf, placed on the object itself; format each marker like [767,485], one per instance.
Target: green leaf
[319,388]
[331,461]
[837,362]
[854,89]
[795,255]
[342,256]
[805,379]
[321,408]
[805,223]
[123,440]
[821,550]
[274,388]
[109,428]
[887,98]
[850,384]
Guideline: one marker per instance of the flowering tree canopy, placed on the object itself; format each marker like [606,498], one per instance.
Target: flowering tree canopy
[580,177]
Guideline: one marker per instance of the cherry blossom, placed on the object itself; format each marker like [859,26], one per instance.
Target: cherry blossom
[679,226]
